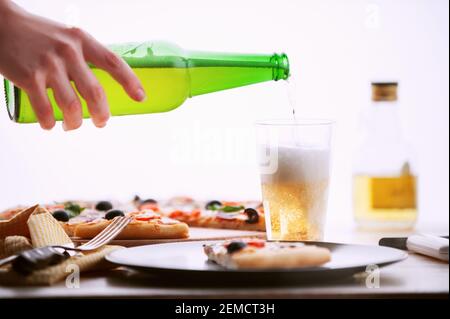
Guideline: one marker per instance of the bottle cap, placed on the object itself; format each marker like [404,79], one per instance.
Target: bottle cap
[384,91]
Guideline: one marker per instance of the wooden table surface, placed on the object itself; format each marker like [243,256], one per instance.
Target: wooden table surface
[417,276]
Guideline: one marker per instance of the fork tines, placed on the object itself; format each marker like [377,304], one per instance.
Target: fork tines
[107,234]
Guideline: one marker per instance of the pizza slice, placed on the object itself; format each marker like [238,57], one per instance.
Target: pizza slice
[260,254]
[86,219]
[11,212]
[71,213]
[144,225]
[247,215]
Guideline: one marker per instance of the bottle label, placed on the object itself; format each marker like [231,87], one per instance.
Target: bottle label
[394,192]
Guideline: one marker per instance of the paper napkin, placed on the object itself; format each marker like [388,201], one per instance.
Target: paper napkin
[44,230]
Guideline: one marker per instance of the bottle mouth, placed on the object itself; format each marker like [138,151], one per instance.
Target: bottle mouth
[11,99]
[281,70]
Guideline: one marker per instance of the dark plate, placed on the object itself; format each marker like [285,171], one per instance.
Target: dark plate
[186,261]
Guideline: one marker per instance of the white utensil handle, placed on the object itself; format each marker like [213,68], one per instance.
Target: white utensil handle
[428,245]
[7,260]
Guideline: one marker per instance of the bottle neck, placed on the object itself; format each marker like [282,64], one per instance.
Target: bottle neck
[384,121]
[211,72]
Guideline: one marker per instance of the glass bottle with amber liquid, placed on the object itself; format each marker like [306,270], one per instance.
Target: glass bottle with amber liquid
[384,180]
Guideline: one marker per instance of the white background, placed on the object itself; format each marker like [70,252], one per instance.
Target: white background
[336,48]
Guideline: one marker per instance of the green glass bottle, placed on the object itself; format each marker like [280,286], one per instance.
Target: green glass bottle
[169,76]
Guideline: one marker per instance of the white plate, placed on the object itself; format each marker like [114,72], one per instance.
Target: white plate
[187,261]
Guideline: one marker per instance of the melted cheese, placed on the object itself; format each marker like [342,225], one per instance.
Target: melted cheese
[86,216]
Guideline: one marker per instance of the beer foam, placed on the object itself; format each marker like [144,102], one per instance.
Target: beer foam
[299,164]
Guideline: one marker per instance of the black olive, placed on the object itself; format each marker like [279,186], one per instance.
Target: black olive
[212,205]
[252,214]
[235,246]
[61,215]
[113,214]
[137,199]
[149,201]
[103,206]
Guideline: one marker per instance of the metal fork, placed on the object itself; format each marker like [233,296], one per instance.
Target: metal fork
[103,238]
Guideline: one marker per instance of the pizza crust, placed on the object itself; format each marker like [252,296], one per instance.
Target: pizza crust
[237,224]
[68,228]
[135,230]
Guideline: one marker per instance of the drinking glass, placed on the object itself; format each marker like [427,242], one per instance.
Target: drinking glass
[295,172]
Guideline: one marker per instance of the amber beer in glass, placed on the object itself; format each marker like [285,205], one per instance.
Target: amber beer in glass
[295,169]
